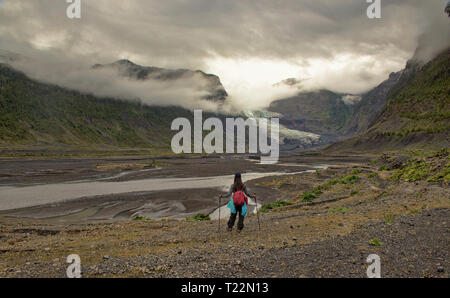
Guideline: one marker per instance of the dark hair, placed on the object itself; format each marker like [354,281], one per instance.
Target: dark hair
[238,185]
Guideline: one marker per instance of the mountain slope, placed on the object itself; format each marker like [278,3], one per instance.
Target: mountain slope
[45,117]
[34,113]
[417,113]
[371,104]
[322,112]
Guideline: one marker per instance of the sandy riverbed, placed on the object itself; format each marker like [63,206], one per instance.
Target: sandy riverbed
[93,189]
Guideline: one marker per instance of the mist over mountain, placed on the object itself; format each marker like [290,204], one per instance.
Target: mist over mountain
[125,80]
[7,56]
[336,117]
[416,114]
[131,70]
[36,115]
[308,120]
[322,112]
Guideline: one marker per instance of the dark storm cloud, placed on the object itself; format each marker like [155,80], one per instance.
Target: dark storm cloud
[187,33]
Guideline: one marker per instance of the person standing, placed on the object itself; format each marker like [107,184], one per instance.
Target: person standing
[239,203]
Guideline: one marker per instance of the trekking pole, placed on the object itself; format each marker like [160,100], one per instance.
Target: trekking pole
[220,201]
[257,213]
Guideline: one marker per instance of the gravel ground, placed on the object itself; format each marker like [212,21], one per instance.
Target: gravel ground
[329,237]
[413,246]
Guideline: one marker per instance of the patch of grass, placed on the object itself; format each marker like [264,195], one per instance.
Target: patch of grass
[334,181]
[356,172]
[274,205]
[351,179]
[142,218]
[372,175]
[418,170]
[376,242]
[431,115]
[414,211]
[329,184]
[199,217]
[383,168]
[444,152]
[339,210]
[389,218]
[354,192]
[430,166]
[309,196]
[281,185]
[430,128]
[443,175]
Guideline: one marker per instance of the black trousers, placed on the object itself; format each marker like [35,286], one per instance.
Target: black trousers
[232,220]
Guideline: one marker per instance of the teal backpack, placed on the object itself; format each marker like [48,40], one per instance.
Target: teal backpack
[233,208]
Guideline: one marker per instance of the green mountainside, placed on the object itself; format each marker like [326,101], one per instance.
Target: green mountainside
[371,105]
[330,115]
[322,112]
[417,113]
[37,114]
[410,109]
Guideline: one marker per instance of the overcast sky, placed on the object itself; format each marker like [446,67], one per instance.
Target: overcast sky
[250,44]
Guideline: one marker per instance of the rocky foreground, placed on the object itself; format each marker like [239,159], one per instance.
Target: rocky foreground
[330,222]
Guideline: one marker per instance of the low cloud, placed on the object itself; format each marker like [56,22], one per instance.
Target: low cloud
[351,99]
[187,92]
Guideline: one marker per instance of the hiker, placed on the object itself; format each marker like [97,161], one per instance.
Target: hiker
[239,202]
